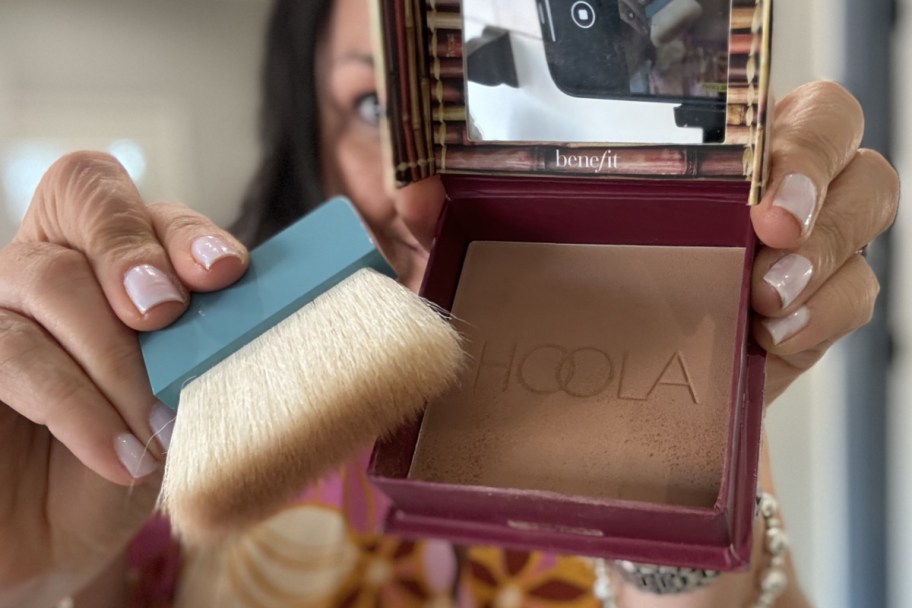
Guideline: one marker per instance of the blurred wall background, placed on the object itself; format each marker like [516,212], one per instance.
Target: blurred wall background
[899,470]
[171,88]
[172,85]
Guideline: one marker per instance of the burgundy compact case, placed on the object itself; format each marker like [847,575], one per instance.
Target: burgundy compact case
[613,399]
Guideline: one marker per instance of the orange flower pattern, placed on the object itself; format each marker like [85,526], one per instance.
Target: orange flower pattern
[395,572]
[501,578]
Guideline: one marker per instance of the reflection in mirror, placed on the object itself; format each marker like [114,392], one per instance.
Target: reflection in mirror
[596,71]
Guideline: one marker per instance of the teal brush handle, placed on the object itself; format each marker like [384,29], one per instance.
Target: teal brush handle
[286,272]
[655,6]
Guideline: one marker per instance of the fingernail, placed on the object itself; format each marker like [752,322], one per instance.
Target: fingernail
[789,276]
[784,328]
[148,287]
[797,194]
[207,250]
[133,456]
[161,421]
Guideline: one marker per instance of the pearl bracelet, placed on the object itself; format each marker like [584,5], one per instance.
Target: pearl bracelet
[665,580]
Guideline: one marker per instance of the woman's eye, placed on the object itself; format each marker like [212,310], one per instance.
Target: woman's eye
[369,109]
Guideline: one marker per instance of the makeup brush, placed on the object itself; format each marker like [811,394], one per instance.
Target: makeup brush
[314,354]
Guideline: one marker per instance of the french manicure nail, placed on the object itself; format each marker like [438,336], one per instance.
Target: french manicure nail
[207,250]
[797,194]
[784,328]
[789,276]
[148,287]
[161,421]
[133,456]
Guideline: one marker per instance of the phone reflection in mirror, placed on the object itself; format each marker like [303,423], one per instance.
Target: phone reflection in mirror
[596,71]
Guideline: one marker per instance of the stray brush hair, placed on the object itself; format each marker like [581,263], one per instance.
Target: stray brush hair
[348,367]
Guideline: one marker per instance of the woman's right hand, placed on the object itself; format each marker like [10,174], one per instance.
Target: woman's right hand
[79,461]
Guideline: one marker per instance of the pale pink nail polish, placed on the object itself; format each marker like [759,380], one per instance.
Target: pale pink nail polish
[148,287]
[161,422]
[207,250]
[784,328]
[133,456]
[797,194]
[789,277]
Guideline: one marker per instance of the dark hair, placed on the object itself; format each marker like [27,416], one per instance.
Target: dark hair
[287,183]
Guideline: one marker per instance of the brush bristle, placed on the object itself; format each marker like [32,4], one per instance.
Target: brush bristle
[252,432]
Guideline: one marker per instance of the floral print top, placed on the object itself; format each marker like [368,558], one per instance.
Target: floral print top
[326,549]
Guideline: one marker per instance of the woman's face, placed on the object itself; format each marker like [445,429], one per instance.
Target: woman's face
[351,145]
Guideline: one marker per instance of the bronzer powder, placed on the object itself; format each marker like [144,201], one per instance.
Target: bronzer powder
[595,370]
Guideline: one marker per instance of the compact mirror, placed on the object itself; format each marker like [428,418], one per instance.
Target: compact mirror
[596,71]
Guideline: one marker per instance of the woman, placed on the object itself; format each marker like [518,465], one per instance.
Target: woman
[91,264]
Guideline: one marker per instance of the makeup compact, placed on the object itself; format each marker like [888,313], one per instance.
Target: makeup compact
[595,251]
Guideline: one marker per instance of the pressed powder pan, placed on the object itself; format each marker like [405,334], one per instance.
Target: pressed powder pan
[595,370]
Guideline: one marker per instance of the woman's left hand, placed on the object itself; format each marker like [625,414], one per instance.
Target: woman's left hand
[826,199]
